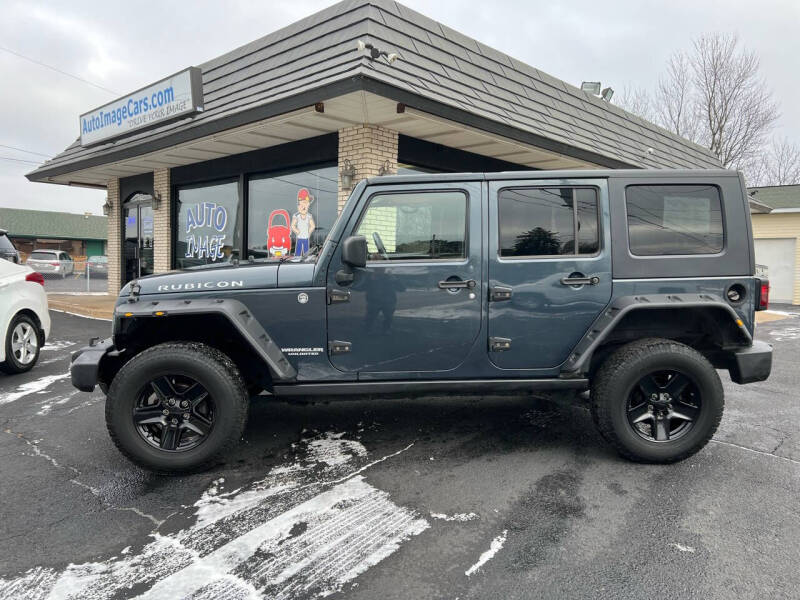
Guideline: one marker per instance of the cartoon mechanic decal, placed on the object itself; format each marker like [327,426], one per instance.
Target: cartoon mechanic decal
[303,222]
[279,238]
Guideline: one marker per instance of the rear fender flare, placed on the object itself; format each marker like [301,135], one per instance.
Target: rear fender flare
[580,357]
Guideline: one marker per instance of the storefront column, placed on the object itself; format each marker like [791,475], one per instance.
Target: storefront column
[162,223]
[114,244]
[367,147]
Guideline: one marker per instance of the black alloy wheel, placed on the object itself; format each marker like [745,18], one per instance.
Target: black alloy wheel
[177,407]
[657,400]
[174,413]
[664,406]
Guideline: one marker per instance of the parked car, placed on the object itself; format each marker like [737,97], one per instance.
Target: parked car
[7,248]
[97,266]
[458,284]
[56,263]
[24,320]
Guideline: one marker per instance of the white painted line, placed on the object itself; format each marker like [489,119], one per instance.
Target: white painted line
[74,314]
[56,293]
[683,548]
[494,548]
[32,387]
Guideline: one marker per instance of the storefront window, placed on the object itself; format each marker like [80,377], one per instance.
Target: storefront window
[209,224]
[289,213]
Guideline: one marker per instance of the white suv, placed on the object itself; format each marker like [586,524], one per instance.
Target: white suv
[24,317]
[51,262]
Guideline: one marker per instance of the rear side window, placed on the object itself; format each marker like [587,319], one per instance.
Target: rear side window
[547,221]
[674,219]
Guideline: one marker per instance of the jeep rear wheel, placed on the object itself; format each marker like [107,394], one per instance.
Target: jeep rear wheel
[657,401]
[177,407]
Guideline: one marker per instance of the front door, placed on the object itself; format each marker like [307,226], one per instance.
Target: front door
[416,307]
[549,268]
[138,249]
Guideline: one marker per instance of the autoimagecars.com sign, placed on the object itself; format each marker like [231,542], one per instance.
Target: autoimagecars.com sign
[175,96]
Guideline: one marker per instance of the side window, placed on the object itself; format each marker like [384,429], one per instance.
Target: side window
[546,221]
[674,219]
[416,226]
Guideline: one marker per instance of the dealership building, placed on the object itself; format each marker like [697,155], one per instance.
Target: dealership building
[214,162]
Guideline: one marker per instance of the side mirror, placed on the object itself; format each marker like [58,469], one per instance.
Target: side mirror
[354,251]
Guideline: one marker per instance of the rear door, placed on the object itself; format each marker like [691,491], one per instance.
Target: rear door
[549,268]
[416,306]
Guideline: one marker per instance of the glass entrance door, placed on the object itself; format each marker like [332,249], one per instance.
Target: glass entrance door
[138,249]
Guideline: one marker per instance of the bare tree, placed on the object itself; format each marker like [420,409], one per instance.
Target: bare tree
[637,101]
[736,107]
[713,95]
[779,165]
[676,104]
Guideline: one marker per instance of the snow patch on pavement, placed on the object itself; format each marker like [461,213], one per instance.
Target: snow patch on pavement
[32,387]
[683,548]
[494,548]
[300,531]
[57,345]
[786,333]
[462,517]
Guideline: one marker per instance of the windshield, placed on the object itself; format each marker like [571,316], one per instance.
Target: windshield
[98,259]
[43,255]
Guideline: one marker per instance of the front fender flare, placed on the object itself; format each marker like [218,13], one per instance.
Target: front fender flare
[234,311]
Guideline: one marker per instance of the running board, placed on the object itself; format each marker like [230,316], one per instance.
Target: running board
[436,386]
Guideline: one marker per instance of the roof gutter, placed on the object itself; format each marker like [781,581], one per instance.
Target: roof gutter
[358,82]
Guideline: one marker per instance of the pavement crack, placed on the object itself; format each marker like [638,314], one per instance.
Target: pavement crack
[37,451]
[761,452]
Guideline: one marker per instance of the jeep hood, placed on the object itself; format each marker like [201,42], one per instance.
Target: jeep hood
[232,278]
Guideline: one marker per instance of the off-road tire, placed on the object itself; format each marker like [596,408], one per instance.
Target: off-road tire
[622,370]
[210,367]
[12,366]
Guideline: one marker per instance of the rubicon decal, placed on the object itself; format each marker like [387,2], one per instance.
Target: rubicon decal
[200,285]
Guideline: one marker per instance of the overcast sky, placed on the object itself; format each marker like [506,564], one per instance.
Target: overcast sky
[125,45]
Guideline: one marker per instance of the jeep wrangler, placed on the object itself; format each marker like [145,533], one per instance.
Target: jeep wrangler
[634,285]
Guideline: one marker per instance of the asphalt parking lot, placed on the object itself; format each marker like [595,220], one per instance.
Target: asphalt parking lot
[441,498]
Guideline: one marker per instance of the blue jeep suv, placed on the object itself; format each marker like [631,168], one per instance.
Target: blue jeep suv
[635,285]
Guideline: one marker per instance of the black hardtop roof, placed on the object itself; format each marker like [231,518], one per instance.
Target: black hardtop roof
[565,174]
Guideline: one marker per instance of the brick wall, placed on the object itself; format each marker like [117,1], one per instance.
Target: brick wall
[114,244]
[367,147]
[162,229]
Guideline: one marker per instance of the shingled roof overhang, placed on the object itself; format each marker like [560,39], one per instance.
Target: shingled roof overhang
[457,91]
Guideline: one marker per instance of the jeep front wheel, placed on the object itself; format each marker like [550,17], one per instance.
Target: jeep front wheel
[177,407]
[657,401]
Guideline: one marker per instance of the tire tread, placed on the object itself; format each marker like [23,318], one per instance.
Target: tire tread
[601,394]
[214,360]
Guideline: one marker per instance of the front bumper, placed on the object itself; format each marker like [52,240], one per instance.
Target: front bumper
[85,368]
[751,364]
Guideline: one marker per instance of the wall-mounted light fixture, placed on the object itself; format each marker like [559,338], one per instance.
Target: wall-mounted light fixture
[347,174]
[386,169]
[107,206]
[156,200]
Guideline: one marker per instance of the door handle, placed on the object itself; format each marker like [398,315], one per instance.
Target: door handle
[594,280]
[447,285]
